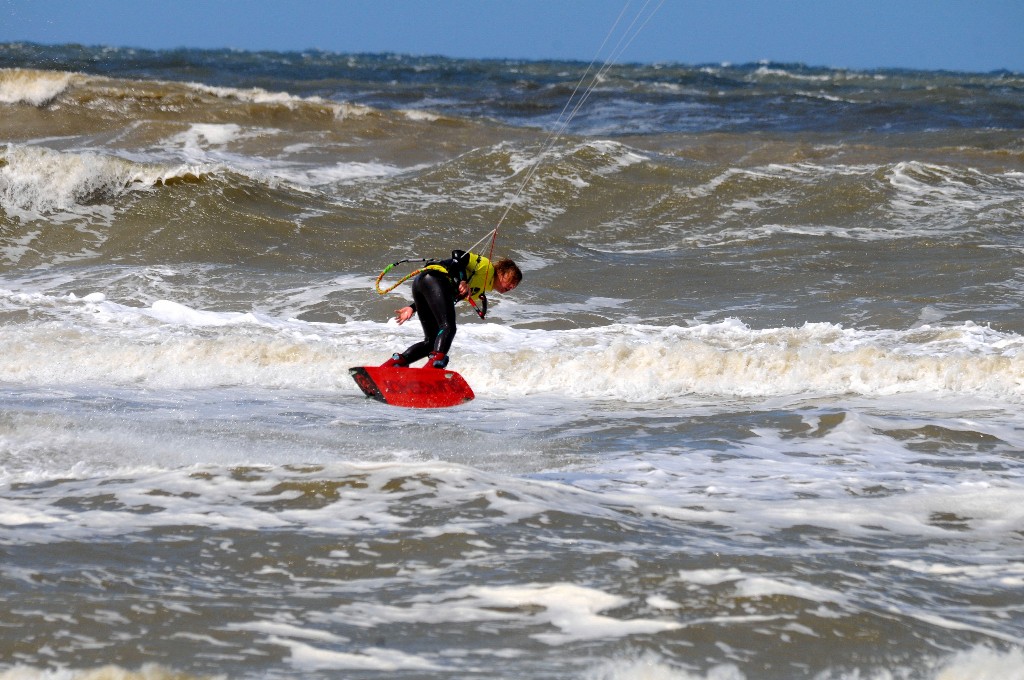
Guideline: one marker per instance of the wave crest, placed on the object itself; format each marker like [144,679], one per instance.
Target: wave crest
[32,86]
[37,181]
[632,363]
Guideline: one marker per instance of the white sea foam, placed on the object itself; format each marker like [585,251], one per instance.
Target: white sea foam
[736,497]
[1008,575]
[148,671]
[309,657]
[339,173]
[37,181]
[766,71]
[257,95]
[833,482]
[771,482]
[211,146]
[984,663]
[212,133]
[613,156]
[28,86]
[574,610]
[650,666]
[930,195]
[759,586]
[729,358]
[626,362]
[978,663]
[420,115]
[919,199]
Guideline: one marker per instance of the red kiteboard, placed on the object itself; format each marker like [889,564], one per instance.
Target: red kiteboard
[412,387]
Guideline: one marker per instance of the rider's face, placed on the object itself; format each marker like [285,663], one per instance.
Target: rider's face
[504,283]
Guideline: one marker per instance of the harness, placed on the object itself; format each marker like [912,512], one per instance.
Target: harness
[432,265]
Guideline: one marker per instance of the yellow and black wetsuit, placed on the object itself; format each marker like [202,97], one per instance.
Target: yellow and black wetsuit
[435,291]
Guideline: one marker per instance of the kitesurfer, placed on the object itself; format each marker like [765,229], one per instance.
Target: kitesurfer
[437,288]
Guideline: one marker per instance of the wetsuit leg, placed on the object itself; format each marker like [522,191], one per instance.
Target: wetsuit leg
[436,308]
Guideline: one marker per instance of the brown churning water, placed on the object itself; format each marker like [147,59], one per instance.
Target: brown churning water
[754,412]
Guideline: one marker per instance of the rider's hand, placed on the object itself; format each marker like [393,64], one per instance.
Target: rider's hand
[404,314]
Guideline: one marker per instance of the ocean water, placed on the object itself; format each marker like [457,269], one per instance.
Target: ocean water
[755,412]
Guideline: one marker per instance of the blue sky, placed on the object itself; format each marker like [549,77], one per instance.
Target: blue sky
[970,35]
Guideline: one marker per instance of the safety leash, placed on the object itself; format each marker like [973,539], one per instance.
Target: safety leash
[405,278]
